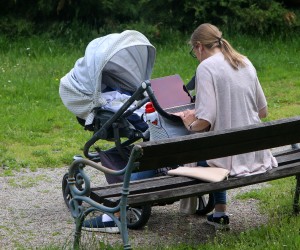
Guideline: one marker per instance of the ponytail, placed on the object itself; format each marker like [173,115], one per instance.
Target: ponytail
[234,58]
[210,36]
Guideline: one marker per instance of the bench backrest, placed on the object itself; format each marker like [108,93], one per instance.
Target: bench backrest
[210,145]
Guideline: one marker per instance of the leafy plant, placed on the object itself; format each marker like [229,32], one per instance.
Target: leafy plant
[65,17]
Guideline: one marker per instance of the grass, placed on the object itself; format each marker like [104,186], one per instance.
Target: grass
[282,231]
[39,132]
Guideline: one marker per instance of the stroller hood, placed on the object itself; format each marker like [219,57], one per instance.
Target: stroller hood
[119,61]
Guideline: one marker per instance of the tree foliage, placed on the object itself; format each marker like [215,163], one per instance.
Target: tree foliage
[247,16]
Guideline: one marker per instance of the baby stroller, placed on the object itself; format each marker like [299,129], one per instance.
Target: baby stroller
[107,91]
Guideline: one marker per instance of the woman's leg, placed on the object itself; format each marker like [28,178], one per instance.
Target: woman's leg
[142,175]
[220,197]
[219,219]
[220,202]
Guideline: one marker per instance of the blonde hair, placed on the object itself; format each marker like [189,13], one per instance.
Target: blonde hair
[210,37]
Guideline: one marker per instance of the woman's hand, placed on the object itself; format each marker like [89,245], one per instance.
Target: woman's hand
[191,122]
[187,116]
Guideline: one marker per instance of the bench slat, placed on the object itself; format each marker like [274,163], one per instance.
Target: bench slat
[288,158]
[210,145]
[99,194]
[204,188]
[156,184]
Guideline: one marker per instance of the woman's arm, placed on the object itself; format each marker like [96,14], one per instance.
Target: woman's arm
[192,123]
[262,113]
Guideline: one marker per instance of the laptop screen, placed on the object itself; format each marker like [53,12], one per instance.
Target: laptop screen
[170,91]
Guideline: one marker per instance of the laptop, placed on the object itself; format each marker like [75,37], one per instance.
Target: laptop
[171,94]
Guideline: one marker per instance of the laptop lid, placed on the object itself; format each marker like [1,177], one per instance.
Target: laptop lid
[170,91]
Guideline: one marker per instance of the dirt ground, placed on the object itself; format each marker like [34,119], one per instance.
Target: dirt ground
[33,215]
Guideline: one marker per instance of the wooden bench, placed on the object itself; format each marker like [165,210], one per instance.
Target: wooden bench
[176,151]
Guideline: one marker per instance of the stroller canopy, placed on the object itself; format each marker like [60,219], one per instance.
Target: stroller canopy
[120,61]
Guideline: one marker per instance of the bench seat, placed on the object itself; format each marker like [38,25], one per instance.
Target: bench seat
[173,188]
[115,198]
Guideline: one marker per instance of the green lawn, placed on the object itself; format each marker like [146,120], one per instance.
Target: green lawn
[37,131]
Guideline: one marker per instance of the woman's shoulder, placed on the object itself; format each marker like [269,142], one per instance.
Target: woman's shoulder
[249,65]
[212,62]
[247,60]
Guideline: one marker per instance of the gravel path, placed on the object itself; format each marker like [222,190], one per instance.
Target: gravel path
[33,215]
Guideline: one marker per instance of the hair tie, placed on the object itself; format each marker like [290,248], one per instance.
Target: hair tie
[219,40]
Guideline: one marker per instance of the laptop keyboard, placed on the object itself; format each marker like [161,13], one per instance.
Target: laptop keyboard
[180,108]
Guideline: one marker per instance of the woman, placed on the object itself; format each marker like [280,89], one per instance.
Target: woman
[228,95]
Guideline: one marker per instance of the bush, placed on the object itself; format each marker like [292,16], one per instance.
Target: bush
[12,27]
[248,16]
[258,17]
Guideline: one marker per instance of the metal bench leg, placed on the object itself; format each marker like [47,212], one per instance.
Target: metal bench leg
[123,212]
[77,235]
[135,153]
[124,229]
[296,196]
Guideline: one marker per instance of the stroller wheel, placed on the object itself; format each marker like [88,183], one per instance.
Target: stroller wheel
[65,187]
[137,217]
[206,204]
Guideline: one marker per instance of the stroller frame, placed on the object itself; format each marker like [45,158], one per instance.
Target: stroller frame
[81,94]
[75,178]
